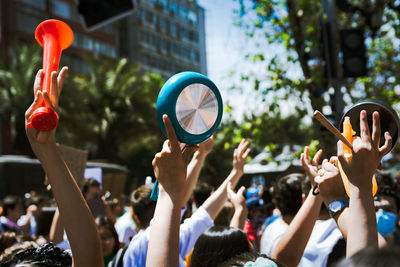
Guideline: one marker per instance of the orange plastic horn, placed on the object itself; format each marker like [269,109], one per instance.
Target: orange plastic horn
[54,36]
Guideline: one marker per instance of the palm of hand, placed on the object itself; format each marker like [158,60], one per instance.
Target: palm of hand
[311,168]
[240,154]
[35,137]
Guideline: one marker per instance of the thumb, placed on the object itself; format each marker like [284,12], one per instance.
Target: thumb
[188,151]
[241,191]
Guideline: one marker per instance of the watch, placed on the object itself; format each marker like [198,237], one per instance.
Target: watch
[337,206]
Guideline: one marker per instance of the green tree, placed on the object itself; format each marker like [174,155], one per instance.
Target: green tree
[293,25]
[110,111]
[17,73]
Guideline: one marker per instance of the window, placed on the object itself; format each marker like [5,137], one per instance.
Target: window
[163,3]
[192,17]
[184,34]
[194,55]
[38,3]
[163,25]
[173,8]
[173,30]
[183,12]
[193,36]
[62,9]
[27,23]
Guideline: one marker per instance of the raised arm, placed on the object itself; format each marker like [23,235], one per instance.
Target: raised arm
[56,233]
[78,222]
[195,166]
[332,189]
[239,203]
[216,201]
[170,169]
[290,247]
[366,157]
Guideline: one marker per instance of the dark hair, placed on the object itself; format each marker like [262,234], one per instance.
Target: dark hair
[224,217]
[44,220]
[243,258]
[218,244]
[45,255]
[373,256]
[10,202]
[104,221]
[7,239]
[88,183]
[201,192]
[287,193]
[143,207]
[387,186]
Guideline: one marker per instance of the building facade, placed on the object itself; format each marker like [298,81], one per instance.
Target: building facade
[165,36]
[19,19]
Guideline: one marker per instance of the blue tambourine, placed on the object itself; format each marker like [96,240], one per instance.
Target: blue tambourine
[193,104]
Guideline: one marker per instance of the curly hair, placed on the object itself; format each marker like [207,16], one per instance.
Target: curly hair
[45,255]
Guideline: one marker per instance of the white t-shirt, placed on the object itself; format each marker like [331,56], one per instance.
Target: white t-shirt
[271,236]
[126,228]
[190,231]
[324,237]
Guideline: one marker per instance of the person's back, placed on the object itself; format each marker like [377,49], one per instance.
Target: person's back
[143,209]
[287,197]
[126,226]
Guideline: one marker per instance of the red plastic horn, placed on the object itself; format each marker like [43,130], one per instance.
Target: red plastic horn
[54,36]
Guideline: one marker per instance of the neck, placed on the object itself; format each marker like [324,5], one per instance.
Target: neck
[287,218]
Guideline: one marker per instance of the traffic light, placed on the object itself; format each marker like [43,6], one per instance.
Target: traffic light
[354,53]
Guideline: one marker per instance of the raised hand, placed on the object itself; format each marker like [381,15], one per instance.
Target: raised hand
[329,181]
[238,200]
[311,168]
[366,154]
[170,164]
[207,146]
[239,156]
[239,203]
[50,100]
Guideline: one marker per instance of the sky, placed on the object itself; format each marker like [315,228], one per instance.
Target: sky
[226,47]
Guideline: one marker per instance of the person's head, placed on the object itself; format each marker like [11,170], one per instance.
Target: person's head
[142,206]
[373,256]
[28,254]
[108,235]
[217,245]
[225,215]
[7,239]
[387,203]
[253,258]
[91,189]
[287,194]
[201,192]
[13,207]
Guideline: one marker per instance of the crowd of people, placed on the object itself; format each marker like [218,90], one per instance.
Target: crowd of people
[303,219]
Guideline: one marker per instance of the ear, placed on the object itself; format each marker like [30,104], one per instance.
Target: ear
[136,219]
[303,198]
